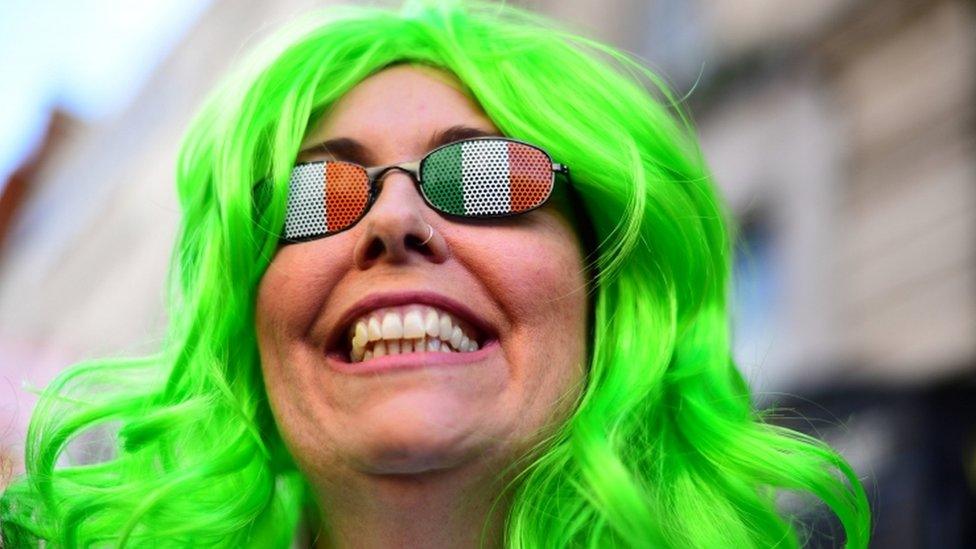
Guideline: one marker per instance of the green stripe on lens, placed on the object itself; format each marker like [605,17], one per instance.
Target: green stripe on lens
[442,180]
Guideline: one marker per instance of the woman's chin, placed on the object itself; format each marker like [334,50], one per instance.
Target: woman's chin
[412,434]
[415,453]
[412,462]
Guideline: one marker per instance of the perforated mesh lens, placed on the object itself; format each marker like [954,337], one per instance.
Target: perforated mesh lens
[487,177]
[473,178]
[324,198]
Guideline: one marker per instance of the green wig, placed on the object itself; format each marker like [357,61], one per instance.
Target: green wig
[665,447]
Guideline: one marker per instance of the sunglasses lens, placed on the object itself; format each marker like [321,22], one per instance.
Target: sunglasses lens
[325,198]
[487,177]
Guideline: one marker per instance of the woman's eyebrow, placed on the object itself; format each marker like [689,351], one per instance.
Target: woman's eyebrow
[457,133]
[341,148]
[345,148]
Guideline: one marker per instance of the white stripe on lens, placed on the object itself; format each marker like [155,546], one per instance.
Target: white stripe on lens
[305,214]
[485,178]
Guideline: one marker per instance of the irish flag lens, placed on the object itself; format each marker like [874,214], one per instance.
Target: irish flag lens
[325,197]
[487,177]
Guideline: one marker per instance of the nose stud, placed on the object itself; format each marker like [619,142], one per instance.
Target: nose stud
[430,234]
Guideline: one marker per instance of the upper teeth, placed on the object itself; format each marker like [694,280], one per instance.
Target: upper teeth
[409,329]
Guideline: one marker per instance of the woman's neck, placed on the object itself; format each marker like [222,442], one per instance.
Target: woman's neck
[446,508]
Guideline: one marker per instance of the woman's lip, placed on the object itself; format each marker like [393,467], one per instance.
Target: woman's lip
[409,361]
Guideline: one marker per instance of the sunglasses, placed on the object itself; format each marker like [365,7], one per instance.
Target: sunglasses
[481,177]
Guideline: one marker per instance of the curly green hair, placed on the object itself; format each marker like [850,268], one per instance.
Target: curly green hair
[665,447]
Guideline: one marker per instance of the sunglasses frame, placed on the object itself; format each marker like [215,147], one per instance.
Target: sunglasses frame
[414,169]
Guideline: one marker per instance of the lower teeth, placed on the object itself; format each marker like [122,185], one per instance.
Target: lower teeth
[405,346]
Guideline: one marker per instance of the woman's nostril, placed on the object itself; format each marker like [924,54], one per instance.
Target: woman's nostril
[375,249]
[417,243]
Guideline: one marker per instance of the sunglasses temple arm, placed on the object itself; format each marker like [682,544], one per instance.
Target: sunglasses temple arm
[580,212]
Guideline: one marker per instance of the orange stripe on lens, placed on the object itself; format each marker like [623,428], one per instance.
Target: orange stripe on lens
[530,176]
[346,194]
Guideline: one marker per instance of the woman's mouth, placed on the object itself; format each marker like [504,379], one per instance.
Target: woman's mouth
[407,329]
[411,360]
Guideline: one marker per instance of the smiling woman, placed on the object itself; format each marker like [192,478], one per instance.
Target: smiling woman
[460,360]
[404,331]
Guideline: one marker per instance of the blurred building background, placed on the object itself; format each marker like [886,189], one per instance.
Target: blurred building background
[841,132]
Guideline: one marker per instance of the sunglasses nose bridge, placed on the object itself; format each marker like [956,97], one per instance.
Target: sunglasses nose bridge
[379,175]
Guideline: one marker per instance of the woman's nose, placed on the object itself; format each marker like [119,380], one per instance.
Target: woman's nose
[396,227]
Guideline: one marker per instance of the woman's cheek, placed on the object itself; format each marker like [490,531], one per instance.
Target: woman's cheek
[543,285]
[292,290]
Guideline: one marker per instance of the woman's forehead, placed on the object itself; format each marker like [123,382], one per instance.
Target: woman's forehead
[400,107]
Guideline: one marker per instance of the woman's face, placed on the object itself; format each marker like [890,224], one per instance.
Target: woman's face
[514,286]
